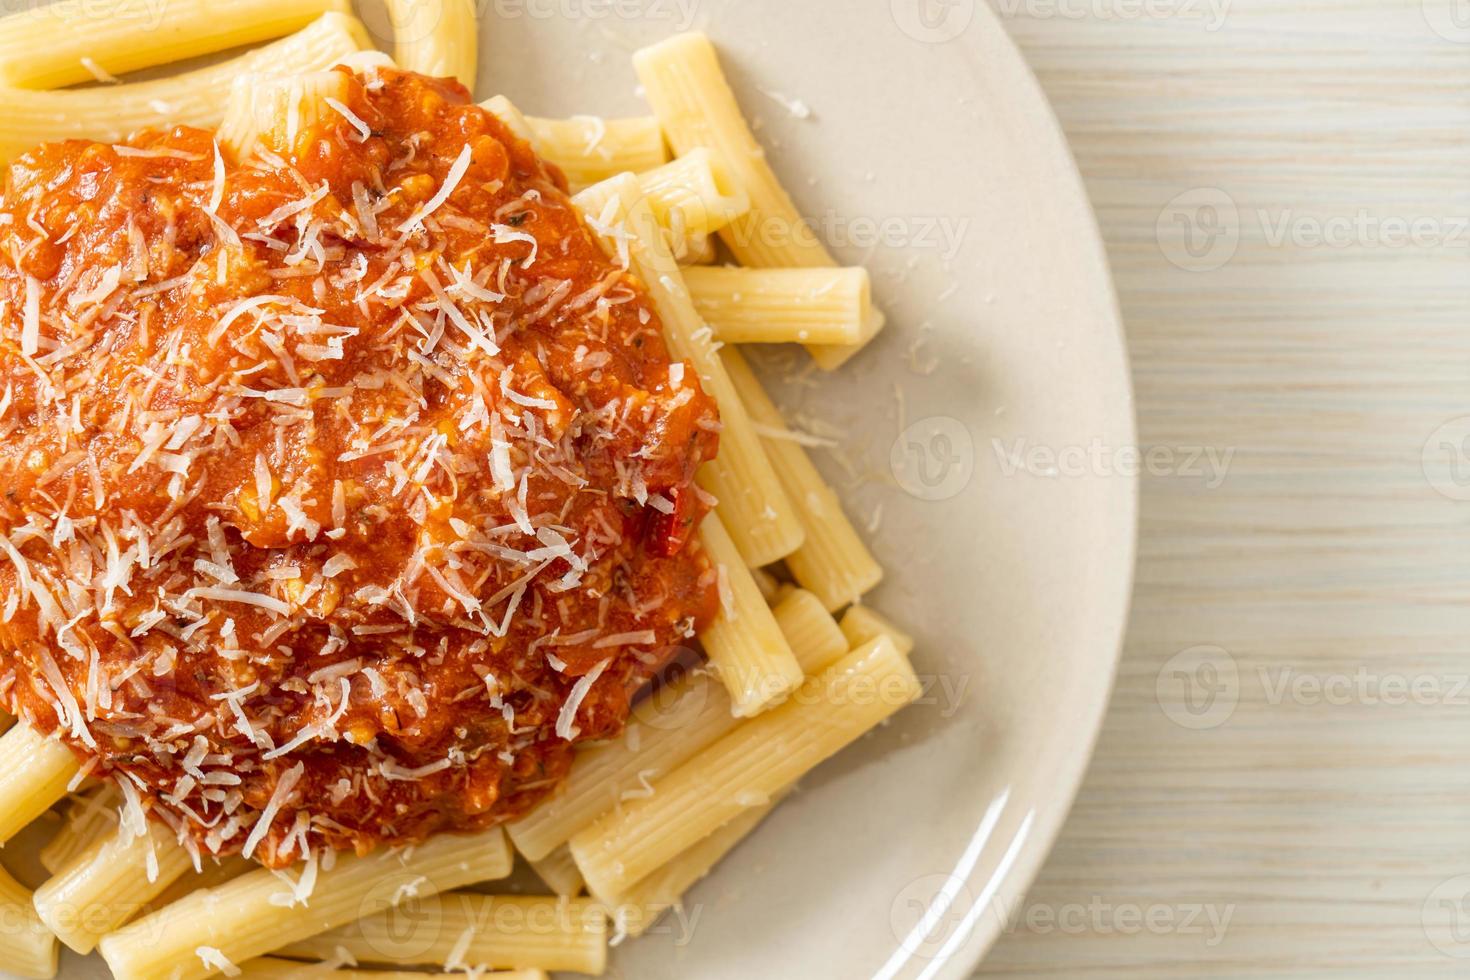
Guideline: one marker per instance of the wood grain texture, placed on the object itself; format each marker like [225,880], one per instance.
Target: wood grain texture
[1319,808]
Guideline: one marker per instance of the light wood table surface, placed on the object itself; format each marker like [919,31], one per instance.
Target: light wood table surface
[1282,788]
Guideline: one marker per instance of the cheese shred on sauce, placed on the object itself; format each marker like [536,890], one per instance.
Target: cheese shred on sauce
[344,493]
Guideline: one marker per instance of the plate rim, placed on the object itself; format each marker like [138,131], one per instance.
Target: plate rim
[1017,880]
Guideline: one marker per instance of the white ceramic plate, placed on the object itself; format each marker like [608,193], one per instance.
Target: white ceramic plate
[928,128]
[902,857]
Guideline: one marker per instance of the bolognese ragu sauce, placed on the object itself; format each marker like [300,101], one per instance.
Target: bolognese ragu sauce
[341,494]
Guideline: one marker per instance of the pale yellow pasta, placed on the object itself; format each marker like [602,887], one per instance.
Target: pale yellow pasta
[769,585]
[780,306]
[747,768]
[63,44]
[466,931]
[752,503]
[271,113]
[693,197]
[639,907]
[212,874]
[863,625]
[257,913]
[513,118]
[673,725]
[438,38]
[590,149]
[89,818]
[274,968]
[559,872]
[668,728]
[110,883]
[814,635]
[833,561]
[27,948]
[196,98]
[692,99]
[35,774]
[744,644]
[699,249]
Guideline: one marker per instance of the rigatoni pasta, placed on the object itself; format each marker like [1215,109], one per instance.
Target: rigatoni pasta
[28,949]
[272,113]
[196,98]
[863,624]
[782,306]
[832,561]
[559,872]
[113,880]
[641,905]
[438,38]
[53,46]
[89,817]
[752,502]
[36,773]
[275,968]
[692,99]
[745,644]
[747,768]
[214,931]
[463,931]
[590,149]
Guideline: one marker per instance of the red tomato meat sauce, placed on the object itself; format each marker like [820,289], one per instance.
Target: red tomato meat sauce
[341,494]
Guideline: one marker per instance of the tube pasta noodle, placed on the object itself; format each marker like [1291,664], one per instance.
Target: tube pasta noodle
[768,584]
[196,98]
[814,635]
[777,306]
[833,561]
[590,149]
[640,819]
[27,948]
[699,249]
[744,644]
[272,113]
[504,109]
[459,931]
[693,198]
[89,818]
[560,873]
[752,503]
[113,880]
[639,907]
[690,96]
[213,874]
[439,38]
[273,968]
[863,625]
[35,774]
[51,47]
[257,913]
[671,727]
[745,769]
